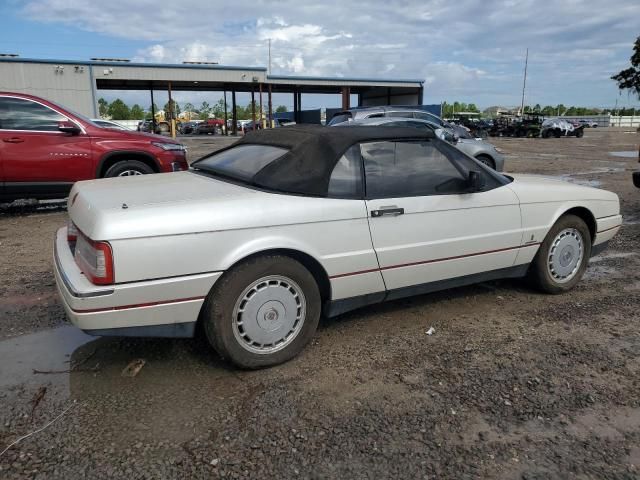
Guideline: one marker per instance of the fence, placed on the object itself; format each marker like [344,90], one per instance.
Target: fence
[625,121]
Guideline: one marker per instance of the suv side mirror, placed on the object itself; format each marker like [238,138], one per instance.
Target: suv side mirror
[68,127]
[475,181]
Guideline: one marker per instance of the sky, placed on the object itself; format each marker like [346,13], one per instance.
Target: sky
[464,50]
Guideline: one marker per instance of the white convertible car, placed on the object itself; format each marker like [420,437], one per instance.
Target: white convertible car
[258,240]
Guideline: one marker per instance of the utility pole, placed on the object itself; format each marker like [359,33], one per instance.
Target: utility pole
[269,72]
[524,81]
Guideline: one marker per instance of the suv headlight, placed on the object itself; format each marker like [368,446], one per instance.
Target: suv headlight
[170,146]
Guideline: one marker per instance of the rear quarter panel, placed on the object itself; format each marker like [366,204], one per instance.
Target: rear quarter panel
[334,232]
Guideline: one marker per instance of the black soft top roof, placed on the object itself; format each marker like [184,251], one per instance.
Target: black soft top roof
[314,151]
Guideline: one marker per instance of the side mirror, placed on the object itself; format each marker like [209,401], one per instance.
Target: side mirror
[451,137]
[68,127]
[475,181]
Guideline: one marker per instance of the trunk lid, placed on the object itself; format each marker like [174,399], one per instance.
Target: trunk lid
[112,208]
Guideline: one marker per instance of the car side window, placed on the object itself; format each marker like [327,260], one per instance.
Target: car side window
[410,169]
[399,114]
[21,114]
[413,124]
[428,117]
[346,178]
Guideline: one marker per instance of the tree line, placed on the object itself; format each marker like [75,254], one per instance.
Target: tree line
[119,110]
[451,109]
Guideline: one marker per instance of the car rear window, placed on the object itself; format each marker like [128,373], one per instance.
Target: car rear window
[242,162]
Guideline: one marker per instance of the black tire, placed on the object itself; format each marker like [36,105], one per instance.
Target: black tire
[557,133]
[580,133]
[119,168]
[487,160]
[218,310]
[539,272]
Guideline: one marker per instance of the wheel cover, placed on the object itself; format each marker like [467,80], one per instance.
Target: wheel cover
[486,161]
[565,255]
[128,173]
[269,314]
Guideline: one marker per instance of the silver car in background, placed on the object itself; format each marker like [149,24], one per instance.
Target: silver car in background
[479,149]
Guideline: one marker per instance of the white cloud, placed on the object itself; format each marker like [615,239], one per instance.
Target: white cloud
[468,48]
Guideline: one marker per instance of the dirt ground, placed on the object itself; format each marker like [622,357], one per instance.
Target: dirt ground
[512,384]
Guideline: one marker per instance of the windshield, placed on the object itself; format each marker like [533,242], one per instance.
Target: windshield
[240,163]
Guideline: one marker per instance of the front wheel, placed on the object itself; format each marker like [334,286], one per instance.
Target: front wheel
[563,256]
[126,168]
[262,312]
[488,161]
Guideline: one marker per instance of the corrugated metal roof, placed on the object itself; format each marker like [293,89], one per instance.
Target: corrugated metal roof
[270,78]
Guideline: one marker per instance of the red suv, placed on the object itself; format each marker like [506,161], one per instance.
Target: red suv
[45,148]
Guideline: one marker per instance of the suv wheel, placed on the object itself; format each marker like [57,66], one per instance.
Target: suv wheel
[127,168]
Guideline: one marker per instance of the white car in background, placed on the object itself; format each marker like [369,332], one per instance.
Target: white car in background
[477,148]
[257,240]
[109,124]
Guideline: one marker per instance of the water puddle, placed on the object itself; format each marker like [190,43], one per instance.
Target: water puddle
[610,256]
[49,350]
[625,154]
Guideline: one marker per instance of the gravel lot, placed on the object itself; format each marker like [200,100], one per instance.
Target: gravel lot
[512,384]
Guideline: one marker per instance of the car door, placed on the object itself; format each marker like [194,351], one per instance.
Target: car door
[37,158]
[426,225]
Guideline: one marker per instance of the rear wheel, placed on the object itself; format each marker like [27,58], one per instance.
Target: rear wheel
[580,133]
[126,168]
[563,256]
[262,312]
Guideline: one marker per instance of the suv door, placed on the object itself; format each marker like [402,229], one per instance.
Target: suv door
[38,160]
[425,224]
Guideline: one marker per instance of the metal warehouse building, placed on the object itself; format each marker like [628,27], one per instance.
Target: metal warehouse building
[75,84]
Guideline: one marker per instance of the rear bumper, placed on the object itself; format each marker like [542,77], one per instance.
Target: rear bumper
[167,307]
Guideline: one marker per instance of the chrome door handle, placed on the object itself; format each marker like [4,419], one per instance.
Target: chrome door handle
[391,210]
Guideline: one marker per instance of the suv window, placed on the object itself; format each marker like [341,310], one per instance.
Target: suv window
[400,114]
[409,169]
[412,123]
[340,117]
[428,117]
[346,178]
[21,114]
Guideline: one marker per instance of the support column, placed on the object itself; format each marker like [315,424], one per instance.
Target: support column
[226,120]
[295,106]
[153,112]
[346,92]
[234,113]
[271,122]
[172,110]
[261,117]
[253,108]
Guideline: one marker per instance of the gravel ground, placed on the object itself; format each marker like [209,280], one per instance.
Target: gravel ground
[512,384]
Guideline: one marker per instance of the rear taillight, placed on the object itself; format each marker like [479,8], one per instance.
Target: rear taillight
[72,232]
[95,259]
